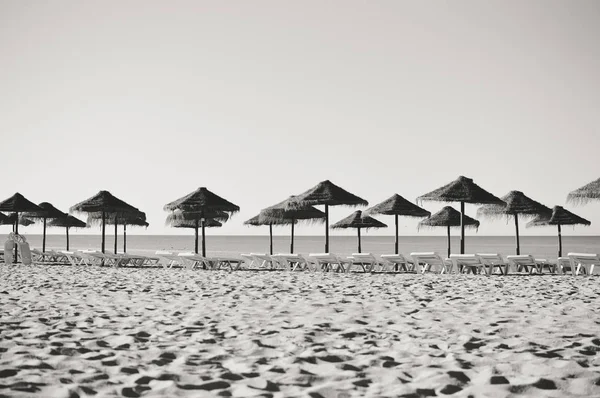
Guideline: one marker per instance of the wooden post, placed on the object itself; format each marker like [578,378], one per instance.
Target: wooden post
[518,252]
[125,238]
[326,228]
[16,232]
[67,238]
[396,244]
[462,227]
[196,237]
[203,236]
[44,238]
[292,240]
[358,229]
[116,225]
[103,229]
[449,244]
[271,239]
[559,242]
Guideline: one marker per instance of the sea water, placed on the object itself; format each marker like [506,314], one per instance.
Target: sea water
[539,246]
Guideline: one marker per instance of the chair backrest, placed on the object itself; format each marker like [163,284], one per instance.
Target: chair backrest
[394,258]
[25,253]
[262,256]
[466,259]
[523,259]
[491,258]
[431,258]
[325,257]
[290,257]
[584,258]
[8,252]
[364,257]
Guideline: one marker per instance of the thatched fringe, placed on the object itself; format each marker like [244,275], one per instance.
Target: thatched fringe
[326,193]
[447,217]
[68,221]
[587,193]
[515,202]
[359,220]
[397,205]
[202,200]
[462,189]
[103,201]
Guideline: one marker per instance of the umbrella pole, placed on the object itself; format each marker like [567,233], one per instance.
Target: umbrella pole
[449,252]
[44,238]
[271,239]
[396,243]
[326,228]
[292,241]
[559,242]
[67,238]
[103,229]
[124,238]
[17,233]
[116,226]
[462,227]
[517,229]
[196,237]
[203,239]
[358,229]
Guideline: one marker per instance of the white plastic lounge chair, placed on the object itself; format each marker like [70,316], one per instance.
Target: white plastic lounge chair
[294,262]
[193,260]
[170,259]
[395,262]
[528,262]
[330,262]
[221,262]
[25,253]
[468,262]
[583,261]
[249,260]
[493,261]
[9,254]
[563,265]
[140,261]
[432,261]
[263,260]
[74,258]
[366,261]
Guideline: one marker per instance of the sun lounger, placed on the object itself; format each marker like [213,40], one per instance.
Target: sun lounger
[25,253]
[366,261]
[193,260]
[140,261]
[330,262]
[493,261]
[294,262]
[583,261]
[431,260]
[263,260]
[170,259]
[529,263]
[563,265]
[468,262]
[395,262]
[74,258]
[9,254]
[220,262]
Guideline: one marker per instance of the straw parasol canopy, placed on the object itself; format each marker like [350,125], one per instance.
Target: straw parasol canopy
[396,205]
[559,216]
[68,221]
[105,204]
[199,203]
[585,194]
[134,218]
[359,220]
[47,212]
[209,223]
[515,204]
[283,212]
[4,219]
[449,217]
[462,190]
[328,194]
[256,221]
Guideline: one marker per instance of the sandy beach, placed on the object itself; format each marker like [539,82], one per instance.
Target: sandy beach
[77,332]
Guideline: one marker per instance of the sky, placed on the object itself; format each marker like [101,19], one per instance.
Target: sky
[261,100]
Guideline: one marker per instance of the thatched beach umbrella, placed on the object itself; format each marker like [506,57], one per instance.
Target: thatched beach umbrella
[462,190]
[585,194]
[208,223]
[449,217]
[257,222]
[359,221]
[328,194]
[199,203]
[560,216]
[17,204]
[282,212]
[515,204]
[105,204]
[133,218]
[193,219]
[67,222]
[398,206]
[48,212]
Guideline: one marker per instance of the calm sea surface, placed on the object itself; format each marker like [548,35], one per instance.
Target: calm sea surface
[539,246]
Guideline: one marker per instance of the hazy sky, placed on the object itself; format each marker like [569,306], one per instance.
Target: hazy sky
[263,99]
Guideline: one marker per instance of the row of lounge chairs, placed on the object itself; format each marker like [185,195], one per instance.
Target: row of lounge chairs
[420,262]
